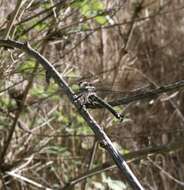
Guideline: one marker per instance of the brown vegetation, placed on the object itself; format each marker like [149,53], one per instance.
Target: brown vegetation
[138,49]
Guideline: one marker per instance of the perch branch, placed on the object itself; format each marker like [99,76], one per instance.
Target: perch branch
[100,134]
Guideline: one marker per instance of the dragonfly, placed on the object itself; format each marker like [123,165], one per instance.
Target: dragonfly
[87,95]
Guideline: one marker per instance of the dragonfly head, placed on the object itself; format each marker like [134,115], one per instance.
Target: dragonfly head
[86,86]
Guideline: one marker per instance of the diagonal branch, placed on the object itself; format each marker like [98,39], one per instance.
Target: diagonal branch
[100,134]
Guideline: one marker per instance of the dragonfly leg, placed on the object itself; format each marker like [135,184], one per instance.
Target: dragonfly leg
[77,97]
[121,117]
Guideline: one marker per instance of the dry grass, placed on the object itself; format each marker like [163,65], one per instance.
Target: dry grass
[136,52]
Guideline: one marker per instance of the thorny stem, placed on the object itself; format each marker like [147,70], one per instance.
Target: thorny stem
[100,134]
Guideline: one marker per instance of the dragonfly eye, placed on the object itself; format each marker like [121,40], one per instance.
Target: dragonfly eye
[85,85]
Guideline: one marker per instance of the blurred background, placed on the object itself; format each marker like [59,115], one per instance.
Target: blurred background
[122,47]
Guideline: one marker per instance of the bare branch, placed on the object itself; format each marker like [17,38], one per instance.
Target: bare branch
[100,134]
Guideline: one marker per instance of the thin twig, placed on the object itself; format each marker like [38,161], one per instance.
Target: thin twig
[166,173]
[27,180]
[41,12]
[13,18]
[91,161]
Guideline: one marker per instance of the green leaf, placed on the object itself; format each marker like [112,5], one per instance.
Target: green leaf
[4,102]
[101,20]
[92,8]
[77,3]
[27,66]
[85,27]
[52,88]
[41,26]
[39,91]
[97,5]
